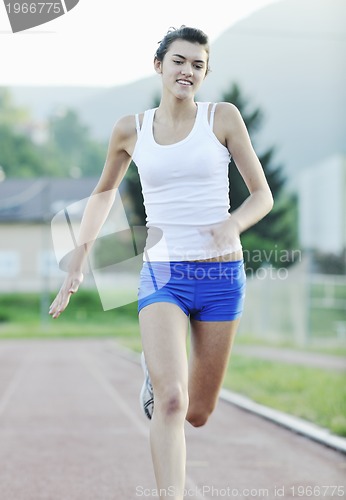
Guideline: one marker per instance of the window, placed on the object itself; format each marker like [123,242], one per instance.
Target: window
[47,264]
[9,263]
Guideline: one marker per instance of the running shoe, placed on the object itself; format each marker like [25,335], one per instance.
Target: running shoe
[146,397]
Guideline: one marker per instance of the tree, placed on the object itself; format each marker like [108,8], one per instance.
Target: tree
[71,144]
[10,114]
[135,208]
[19,157]
[275,236]
[66,151]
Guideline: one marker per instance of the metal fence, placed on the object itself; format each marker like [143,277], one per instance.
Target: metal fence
[295,306]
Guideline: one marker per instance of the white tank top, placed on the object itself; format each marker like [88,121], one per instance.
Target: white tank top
[185,189]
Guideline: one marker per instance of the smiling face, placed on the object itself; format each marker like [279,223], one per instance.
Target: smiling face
[183,68]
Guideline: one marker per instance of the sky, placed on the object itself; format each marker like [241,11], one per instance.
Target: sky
[105,42]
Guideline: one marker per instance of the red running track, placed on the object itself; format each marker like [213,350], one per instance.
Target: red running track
[71,429]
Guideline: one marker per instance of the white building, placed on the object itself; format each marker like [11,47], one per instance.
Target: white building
[35,233]
[321,192]
[27,257]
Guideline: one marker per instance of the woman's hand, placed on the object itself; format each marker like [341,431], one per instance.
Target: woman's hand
[222,238]
[70,286]
[226,235]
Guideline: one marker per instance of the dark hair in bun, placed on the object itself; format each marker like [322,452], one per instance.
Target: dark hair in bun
[192,35]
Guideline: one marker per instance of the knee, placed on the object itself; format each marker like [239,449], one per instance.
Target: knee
[197,419]
[198,416]
[172,402]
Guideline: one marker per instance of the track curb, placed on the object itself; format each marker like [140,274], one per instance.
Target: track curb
[295,424]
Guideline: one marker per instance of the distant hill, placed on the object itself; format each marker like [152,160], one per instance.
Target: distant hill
[44,101]
[290,60]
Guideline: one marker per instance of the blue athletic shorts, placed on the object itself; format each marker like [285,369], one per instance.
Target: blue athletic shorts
[205,291]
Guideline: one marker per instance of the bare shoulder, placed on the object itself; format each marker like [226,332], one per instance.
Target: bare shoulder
[124,134]
[228,113]
[232,123]
[125,127]
[228,122]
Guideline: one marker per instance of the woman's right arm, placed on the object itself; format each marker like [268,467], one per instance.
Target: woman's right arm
[97,209]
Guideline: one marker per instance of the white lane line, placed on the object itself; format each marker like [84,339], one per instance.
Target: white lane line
[13,385]
[143,429]
[112,392]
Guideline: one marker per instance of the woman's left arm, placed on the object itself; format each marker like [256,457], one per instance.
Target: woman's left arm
[237,140]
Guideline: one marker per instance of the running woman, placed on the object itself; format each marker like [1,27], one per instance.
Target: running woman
[195,275]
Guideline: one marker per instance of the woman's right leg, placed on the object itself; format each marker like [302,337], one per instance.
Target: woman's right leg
[163,329]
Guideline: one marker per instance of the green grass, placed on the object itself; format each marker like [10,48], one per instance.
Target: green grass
[313,394]
[21,316]
[316,395]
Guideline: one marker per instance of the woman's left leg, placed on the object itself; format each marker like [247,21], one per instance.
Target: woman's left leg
[211,344]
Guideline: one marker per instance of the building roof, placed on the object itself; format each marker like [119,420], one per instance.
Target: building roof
[39,199]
